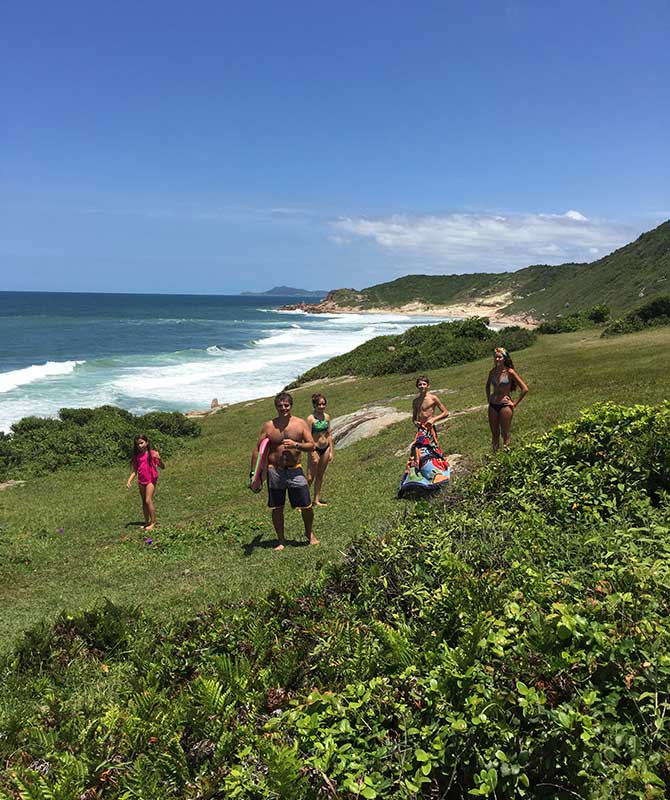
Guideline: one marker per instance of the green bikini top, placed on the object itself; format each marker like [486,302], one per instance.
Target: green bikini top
[320,425]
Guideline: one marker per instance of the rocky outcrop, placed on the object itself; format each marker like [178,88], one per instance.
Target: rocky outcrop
[214,408]
[362,424]
[10,485]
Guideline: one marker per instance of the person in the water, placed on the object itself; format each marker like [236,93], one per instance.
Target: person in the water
[322,455]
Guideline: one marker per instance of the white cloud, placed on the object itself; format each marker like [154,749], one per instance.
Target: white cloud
[481,241]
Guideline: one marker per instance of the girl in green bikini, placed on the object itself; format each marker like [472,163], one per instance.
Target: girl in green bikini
[323,454]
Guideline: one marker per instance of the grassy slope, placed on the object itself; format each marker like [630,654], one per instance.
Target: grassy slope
[616,280]
[42,571]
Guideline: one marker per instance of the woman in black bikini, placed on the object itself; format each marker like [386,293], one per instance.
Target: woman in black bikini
[502,381]
[323,455]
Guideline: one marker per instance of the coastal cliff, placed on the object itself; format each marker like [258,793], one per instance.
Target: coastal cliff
[638,271]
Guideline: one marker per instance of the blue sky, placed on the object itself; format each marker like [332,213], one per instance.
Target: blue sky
[220,146]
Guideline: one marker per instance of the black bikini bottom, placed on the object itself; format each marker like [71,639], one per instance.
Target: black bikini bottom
[321,450]
[498,406]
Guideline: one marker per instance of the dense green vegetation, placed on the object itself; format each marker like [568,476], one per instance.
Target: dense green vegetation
[137,676]
[421,349]
[640,269]
[509,642]
[579,321]
[95,437]
[656,312]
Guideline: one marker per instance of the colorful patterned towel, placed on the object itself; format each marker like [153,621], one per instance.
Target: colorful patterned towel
[427,469]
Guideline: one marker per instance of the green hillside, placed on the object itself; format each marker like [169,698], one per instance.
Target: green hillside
[70,537]
[511,641]
[421,349]
[619,280]
[436,289]
[638,270]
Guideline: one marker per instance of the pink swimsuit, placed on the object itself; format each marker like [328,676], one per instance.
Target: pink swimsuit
[146,473]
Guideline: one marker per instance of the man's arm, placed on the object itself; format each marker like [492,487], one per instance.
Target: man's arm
[415,409]
[306,443]
[254,455]
[443,410]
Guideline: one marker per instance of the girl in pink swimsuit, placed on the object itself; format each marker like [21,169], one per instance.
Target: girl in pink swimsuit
[144,464]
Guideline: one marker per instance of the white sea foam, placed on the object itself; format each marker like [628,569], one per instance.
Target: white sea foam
[359,319]
[276,354]
[36,372]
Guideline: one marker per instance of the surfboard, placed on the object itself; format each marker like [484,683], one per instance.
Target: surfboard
[261,466]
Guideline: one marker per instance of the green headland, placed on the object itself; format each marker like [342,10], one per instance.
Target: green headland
[621,280]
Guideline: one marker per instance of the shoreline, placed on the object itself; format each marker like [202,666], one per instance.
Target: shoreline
[455,313]
[494,312]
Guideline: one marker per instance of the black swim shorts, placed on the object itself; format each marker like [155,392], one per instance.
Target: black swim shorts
[281,479]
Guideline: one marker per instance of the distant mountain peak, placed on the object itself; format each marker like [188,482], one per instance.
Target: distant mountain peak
[287,291]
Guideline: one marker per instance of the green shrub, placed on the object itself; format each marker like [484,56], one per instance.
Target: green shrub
[421,348]
[510,640]
[655,309]
[170,423]
[655,312]
[588,318]
[86,437]
[598,313]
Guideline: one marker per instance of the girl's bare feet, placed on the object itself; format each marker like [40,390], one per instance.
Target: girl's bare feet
[320,503]
[279,547]
[313,539]
[149,527]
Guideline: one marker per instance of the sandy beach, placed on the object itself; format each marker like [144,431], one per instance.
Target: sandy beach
[492,307]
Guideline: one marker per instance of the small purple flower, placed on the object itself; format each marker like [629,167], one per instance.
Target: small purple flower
[148,540]
[60,530]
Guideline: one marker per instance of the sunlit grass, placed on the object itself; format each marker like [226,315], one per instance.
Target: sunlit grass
[214,537]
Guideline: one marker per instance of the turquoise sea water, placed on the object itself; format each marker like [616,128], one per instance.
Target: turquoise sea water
[169,352]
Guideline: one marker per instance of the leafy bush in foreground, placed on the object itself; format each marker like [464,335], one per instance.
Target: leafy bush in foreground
[86,437]
[512,641]
[421,349]
[655,312]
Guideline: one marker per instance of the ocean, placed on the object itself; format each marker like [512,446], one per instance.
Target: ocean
[162,352]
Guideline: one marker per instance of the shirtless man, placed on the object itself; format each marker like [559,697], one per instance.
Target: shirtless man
[289,437]
[427,408]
